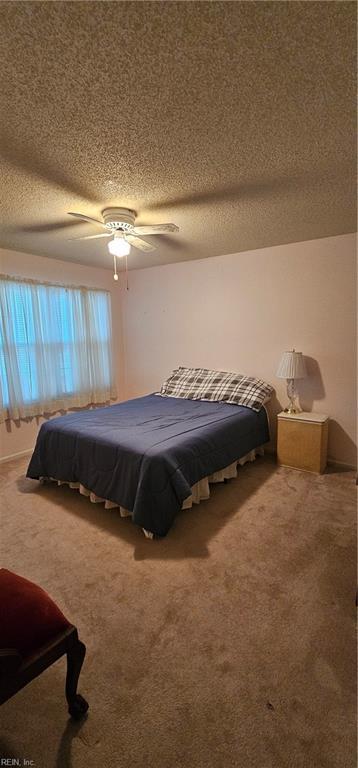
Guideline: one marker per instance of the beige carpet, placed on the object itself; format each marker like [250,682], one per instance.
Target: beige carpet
[228,644]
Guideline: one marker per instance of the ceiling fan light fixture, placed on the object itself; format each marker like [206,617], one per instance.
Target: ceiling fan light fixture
[120,223]
[119,247]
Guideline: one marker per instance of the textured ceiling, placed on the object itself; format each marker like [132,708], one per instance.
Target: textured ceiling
[234,120]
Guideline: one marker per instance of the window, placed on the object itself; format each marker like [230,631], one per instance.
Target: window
[55,347]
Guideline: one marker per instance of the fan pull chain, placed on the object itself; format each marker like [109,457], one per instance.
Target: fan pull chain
[115,276]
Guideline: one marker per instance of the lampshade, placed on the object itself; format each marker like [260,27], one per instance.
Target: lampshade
[119,247]
[292,366]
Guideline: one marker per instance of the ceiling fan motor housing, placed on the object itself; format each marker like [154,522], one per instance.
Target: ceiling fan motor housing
[121,219]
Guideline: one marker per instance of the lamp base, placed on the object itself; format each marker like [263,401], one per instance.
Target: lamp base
[292,409]
[293,406]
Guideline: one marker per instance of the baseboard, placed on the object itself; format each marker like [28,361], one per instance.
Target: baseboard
[16,455]
[342,464]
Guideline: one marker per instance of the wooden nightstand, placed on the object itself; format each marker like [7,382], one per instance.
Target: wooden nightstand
[302,440]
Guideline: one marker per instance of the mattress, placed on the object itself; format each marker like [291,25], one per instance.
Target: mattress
[146,454]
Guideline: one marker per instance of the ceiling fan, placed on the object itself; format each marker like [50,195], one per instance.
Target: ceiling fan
[119,224]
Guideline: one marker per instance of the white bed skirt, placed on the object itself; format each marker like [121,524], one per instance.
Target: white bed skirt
[199,491]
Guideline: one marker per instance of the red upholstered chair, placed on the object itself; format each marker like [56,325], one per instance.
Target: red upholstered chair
[33,635]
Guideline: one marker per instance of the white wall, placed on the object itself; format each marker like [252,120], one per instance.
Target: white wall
[241,311]
[21,436]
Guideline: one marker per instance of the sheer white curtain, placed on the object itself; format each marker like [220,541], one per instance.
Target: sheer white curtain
[55,348]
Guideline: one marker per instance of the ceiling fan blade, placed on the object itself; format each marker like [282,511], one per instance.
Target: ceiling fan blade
[138,243]
[92,237]
[155,229]
[86,218]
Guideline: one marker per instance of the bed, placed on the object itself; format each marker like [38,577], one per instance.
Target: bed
[145,455]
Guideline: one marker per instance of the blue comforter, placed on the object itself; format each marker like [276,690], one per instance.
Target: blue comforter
[145,454]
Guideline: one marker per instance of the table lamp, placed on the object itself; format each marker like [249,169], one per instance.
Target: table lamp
[292,367]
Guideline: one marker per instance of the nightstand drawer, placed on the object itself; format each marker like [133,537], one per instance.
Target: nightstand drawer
[302,444]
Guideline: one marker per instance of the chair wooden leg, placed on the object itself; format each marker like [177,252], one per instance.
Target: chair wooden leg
[77,705]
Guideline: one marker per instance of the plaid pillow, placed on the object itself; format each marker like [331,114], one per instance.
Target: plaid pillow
[220,386]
